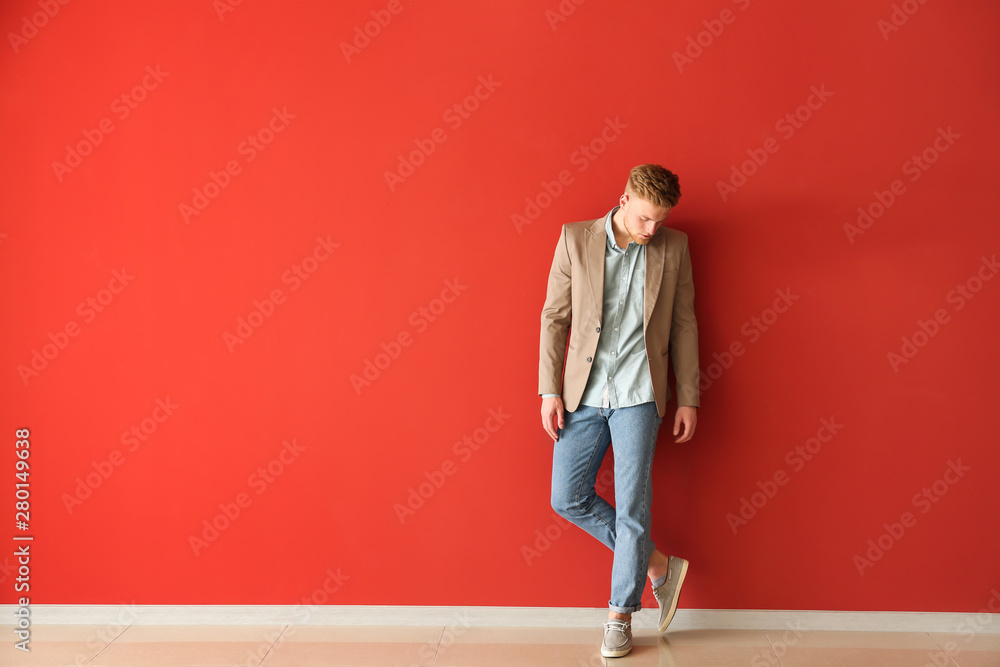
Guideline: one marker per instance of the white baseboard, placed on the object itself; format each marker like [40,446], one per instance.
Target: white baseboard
[686,619]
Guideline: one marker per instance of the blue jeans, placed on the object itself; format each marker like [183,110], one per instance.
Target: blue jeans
[625,529]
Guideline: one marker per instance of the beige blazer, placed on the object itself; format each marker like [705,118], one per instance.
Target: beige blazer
[575,295]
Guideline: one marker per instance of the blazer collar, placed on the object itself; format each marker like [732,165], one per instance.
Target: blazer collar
[596,246]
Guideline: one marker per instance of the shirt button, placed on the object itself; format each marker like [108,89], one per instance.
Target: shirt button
[590,358]
[598,329]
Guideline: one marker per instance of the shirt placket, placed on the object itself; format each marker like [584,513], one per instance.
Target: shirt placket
[611,393]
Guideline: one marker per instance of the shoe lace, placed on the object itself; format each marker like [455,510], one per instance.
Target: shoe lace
[617,624]
[658,590]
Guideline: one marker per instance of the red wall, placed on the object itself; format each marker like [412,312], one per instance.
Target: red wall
[432,275]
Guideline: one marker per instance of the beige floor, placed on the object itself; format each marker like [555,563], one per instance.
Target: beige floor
[437,646]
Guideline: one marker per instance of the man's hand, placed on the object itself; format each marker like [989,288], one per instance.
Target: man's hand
[552,407]
[687,416]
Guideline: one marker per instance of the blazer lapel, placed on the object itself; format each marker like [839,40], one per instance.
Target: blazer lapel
[597,241]
[655,252]
[656,249]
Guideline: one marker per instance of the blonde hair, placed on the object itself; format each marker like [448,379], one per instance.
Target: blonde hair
[654,184]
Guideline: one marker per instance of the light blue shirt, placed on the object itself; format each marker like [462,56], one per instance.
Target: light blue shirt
[620,376]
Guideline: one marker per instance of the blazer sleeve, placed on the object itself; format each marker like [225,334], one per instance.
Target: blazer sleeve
[684,335]
[556,317]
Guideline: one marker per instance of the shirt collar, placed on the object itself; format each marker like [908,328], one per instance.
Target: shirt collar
[612,243]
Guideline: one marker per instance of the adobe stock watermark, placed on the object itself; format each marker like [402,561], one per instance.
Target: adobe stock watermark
[249,149]
[365,32]
[768,657]
[294,277]
[581,158]
[797,458]
[898,17]
[714,28]
[597,660]
[122,106]
[269,639]
[958,297]
[786,126]
[923,500]
[543,538]
[131,439]
[970,626]
[223,7]
[417,496]
[914,167]
[420,320]
[455,116]
[562,12]
[30,25]
[331,585]
[88,310]
[752,329]
[258,482]
[7,569]
[128,613]
[458,626]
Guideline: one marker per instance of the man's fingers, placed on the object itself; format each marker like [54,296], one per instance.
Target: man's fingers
[552,413]
[688,431]
[547,425]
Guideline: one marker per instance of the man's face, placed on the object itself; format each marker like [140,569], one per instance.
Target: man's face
[642,218]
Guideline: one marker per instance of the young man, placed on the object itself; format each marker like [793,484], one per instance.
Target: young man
[624,281]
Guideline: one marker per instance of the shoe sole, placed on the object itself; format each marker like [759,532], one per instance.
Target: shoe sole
[677,597]
[615,653]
